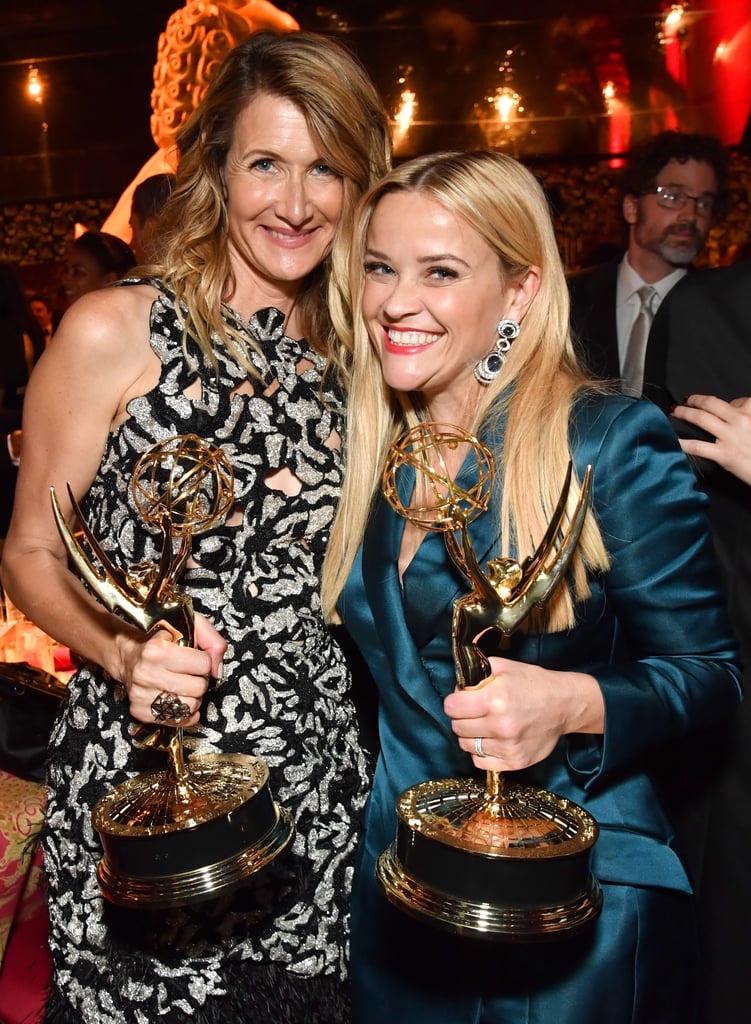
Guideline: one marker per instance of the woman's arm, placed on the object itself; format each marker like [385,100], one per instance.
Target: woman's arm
[100,358]
[672,667]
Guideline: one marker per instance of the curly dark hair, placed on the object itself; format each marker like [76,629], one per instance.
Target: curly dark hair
[647,160]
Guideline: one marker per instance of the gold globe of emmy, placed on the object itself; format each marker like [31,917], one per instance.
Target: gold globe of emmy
[202,825]
[473,857]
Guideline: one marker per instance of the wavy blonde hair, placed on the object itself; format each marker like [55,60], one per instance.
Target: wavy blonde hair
[502,201]
[345,117]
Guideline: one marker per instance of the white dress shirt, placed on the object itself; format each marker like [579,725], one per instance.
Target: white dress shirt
[627,303]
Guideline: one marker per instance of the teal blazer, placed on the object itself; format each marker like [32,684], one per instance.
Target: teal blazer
[653,632]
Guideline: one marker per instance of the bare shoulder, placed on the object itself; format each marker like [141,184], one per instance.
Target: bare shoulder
[102,346]
[110,318]
[98,360]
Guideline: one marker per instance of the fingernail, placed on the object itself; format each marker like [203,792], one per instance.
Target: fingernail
[220,672]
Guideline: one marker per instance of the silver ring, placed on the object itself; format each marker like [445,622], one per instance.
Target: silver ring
[167,707]
[478,747]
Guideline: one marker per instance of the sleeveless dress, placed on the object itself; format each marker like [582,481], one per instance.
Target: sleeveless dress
[277,948]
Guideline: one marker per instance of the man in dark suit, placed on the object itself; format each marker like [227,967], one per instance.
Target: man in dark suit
[672,188]
[699,366]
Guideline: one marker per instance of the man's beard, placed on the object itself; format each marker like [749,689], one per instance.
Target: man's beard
[679,249]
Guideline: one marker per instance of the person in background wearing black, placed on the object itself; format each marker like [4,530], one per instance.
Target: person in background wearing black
[44,315]
[700,370]
[21,344]
[673,188]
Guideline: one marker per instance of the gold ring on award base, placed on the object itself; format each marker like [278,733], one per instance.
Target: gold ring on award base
[485,920]
[172,840]
[202,883]
[507,866]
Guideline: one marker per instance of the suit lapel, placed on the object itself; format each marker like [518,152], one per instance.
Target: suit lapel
[605,326]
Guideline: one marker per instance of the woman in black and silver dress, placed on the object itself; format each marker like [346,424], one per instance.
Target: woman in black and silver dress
[225,338]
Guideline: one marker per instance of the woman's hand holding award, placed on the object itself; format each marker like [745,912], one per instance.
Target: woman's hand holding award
[508,863]
[207,822]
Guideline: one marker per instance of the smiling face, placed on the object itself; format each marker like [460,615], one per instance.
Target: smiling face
[283,203]
[433,297]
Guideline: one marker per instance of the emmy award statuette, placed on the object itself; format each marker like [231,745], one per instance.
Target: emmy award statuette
[205,823]
[508,863]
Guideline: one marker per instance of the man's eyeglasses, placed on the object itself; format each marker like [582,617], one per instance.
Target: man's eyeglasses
[671,197]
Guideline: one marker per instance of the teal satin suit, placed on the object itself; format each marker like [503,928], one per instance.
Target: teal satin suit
[655,636]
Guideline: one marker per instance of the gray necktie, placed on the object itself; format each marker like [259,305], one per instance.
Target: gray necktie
[632,376]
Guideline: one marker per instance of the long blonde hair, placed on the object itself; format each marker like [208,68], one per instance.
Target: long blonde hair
[345,117]
[502,201]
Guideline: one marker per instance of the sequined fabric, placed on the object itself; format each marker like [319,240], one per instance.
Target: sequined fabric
[283,697]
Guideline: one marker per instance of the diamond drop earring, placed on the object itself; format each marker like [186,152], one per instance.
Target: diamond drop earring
[488,368]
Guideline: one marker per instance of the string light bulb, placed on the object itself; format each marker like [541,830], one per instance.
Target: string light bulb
[674,16]
[34,84]
[673,24]
[406,113]
[507,103]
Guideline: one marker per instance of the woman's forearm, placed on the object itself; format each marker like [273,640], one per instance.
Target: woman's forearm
[44,589]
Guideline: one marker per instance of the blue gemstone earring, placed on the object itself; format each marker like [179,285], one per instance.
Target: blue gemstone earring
[488,368]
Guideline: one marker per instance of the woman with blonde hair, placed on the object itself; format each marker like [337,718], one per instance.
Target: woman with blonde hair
[226,338]
[452,307]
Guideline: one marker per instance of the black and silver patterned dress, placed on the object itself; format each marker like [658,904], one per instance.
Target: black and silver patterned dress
[277,949]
